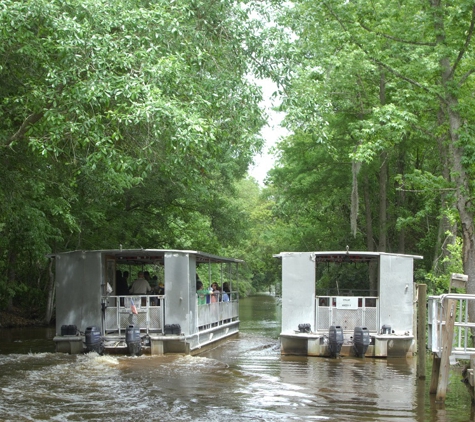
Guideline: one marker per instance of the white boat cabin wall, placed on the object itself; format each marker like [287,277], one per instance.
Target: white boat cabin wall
[88,306]
[314,319]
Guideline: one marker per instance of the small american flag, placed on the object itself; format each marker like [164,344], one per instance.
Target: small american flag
[132,307]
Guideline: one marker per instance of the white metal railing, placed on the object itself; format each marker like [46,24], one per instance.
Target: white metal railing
[461,349]
[347,312]
[118,313]
[213,313]
[150,314]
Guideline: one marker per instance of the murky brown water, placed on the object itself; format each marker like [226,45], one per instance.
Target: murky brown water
[245,379]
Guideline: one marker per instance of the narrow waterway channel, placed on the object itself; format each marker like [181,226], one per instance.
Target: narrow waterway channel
[245,379]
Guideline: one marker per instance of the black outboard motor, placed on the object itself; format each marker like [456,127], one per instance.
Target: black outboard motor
[335,340]
[305,328]
[69,330]
[386,329]
[361,341]
[94,341]
[133,340]
[173,329]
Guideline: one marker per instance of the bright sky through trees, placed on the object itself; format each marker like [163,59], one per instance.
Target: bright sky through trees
[272,133]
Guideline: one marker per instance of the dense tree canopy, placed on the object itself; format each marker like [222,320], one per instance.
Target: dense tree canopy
[378,96]
[133,123]
[123,122]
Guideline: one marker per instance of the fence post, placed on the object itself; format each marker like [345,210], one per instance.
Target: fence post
[435,373]
[449,306]
[421,330]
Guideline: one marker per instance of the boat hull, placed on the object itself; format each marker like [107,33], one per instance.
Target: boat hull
[314,344]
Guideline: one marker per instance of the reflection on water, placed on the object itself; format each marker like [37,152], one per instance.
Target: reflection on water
[26,340]
[245,379]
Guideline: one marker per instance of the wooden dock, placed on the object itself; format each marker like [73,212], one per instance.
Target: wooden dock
[450,337]
[441,365]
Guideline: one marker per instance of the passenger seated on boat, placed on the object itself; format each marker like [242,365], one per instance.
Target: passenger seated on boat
[218,292]
[214,296]
[202,293]
[227,290]
[125,276]
[154,301]
[146,275]
[224,295]
[121,286]
[160,290]
[140,286]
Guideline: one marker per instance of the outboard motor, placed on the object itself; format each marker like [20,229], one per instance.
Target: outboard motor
[305,328]
[386,329]
[94,341]
[361,341]
[335,340]
[133,340]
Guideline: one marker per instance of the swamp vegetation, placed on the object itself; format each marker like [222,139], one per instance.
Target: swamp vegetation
[134,123]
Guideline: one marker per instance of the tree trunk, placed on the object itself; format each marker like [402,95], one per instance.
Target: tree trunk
[11,276]
[463,201]
[383,187]
[51,293]
[465,212]
[443,239]
[461,180]
[383,178]
[456,154]
[355,169]
[370,245]
[401,198]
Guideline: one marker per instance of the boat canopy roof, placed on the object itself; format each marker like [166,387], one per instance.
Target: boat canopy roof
[347,256]
[153,256]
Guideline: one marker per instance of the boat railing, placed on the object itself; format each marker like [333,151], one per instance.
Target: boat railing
[214,311]
[462,347]
[347,312]
[144,311]
[343,292]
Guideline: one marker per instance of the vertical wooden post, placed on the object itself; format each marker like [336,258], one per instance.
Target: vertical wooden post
[421,329]
[447,340]
[472,367]
[415,331]
[471,383]
[434,379]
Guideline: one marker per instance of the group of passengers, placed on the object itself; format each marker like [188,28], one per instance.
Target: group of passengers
[142,285]
[214,294]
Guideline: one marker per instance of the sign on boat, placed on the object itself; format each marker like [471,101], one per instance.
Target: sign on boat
[92,316]
[347,303]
